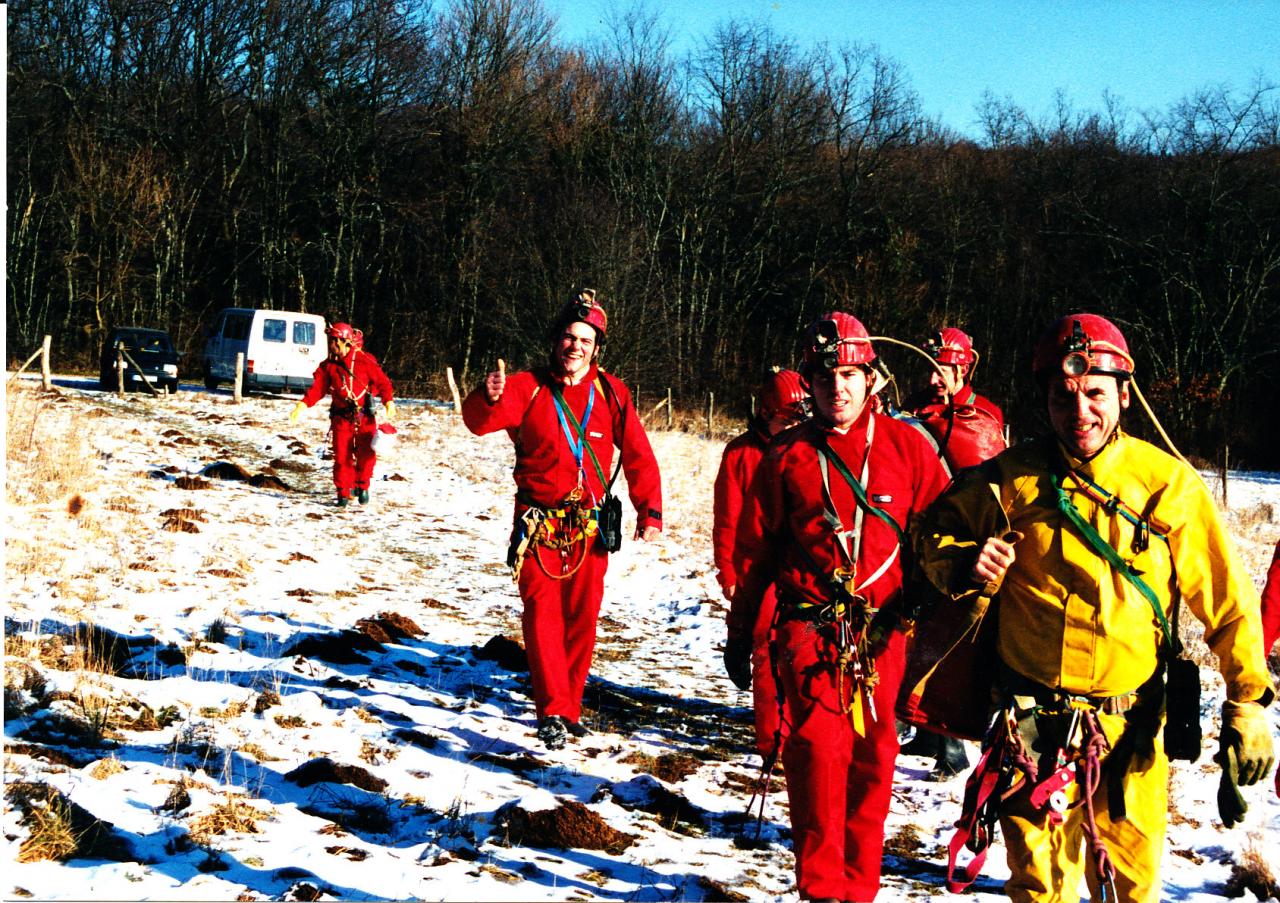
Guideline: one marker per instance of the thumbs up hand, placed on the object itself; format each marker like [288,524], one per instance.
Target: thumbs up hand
[496,382]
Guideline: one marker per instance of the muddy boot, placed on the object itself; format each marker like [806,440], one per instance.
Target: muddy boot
[952,759]
[552,732]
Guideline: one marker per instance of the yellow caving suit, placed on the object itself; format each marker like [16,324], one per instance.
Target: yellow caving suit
[1070,622]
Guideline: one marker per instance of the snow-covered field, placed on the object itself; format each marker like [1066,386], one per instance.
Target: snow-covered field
[220,688]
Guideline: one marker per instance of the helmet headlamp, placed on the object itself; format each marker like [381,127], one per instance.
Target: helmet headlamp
[584,310]
[1075,364]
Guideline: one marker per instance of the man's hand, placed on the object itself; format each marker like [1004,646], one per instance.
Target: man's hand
[496,382]
[995,558]
[296,412]
[727,590]
[648,534]
[390,407]
[737,661]
[1246,755]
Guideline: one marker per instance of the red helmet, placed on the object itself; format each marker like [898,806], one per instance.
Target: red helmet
[584,308]
[783,393]
[951,346]
[837,340]
[341,331]
[358,339]
[1079,344]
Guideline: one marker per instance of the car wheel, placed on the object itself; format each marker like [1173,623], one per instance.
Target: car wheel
[210,381]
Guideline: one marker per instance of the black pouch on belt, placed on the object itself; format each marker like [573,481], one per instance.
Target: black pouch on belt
[1182,734]
[609,520]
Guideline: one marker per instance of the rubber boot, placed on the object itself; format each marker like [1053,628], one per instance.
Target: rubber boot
[952,759]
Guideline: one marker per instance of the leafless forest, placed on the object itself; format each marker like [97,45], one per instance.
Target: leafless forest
[440,175]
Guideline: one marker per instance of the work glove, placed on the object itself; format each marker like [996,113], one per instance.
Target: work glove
[737,661]
[390,407]
[296,412]
[1246,755]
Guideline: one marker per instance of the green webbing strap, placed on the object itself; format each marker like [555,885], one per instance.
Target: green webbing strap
[1112,557]
[564,406]
[859,493]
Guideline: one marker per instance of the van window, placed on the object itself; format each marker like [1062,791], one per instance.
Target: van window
[236,327]
[304,332]
[274,330]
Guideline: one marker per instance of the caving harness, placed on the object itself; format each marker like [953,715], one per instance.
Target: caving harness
[1035,719]
[847,611]
[575,520]
[348,404]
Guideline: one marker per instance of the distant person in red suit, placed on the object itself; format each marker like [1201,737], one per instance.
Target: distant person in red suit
[968,427]
[353,378]
[783,403]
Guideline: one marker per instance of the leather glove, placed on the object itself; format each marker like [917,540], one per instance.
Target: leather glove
[1231,804]
[737,662]
[1245,754]
[390,407]
[1246,732]
[296,412]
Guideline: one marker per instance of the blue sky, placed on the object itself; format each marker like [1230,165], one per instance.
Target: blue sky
[1147,54]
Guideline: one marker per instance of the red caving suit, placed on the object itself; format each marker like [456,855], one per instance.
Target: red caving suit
[838,783]
[560,616]
[737,468]
[350,380]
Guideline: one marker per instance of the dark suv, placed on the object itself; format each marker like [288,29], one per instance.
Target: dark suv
[150,349]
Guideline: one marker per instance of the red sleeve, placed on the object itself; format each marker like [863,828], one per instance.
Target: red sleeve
[644,483]
[1271,605]
[733,480]
[757,551]
[379,382]
[482,417]
[319,385]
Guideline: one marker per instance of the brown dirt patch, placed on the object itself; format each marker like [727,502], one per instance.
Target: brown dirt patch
[571,826]
[225,470]
[318,770]
[192,483]
[389,627]
[505,651]
[670,767]
[345,648]
[269,481]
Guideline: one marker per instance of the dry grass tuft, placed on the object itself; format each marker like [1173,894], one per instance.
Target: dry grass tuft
[1253,874]
[76,504]
[233,815]
[105,768]
[47,456]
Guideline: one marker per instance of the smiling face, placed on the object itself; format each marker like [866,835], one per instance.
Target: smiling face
[1085,411]
[949,382]
[840,394]
[338,347]
[575,350]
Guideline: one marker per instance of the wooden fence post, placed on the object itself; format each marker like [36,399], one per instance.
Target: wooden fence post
[46,368]
[120,368]
[453,390]
[1226,460]
[670,417]
[239,387]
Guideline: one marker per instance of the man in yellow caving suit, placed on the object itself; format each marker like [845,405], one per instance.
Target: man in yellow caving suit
[1083,646]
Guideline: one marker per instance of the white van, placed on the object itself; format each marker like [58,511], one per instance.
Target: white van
[281,348]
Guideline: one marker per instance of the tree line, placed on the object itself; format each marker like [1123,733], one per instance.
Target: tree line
[442,176]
